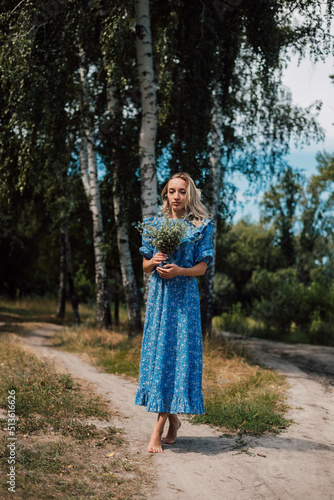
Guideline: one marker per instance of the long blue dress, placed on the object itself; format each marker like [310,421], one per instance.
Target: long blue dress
[170,377]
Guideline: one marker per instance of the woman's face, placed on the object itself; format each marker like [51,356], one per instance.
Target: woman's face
[176,194]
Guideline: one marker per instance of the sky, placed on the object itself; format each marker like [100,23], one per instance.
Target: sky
[307,82]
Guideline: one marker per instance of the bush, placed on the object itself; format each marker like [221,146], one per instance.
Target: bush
[84,286]
[321,332]
[281,298]
[224,294]
[234,322]
[288,309]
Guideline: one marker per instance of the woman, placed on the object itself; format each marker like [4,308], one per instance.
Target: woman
[170,378]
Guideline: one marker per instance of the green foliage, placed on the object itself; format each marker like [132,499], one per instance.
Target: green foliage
[84,285]
[280,298]
[239,50]
[280,204]
[270,298]
[286,309]
[240,251]
[235,322]
[317,203]
[321,332]
[223,292]
[28,259]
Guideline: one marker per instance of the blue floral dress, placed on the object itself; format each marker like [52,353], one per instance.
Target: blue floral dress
[170,378]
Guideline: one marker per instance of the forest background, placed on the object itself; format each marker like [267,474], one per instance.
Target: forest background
[101,101]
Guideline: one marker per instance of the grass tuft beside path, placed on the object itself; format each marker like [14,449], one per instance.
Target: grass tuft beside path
[111,350]
[250,406]
[239,395]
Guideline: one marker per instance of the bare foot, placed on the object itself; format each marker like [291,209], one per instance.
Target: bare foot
[174,425]
[154,446]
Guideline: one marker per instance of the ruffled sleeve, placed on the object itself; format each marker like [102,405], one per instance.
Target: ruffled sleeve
[204,248]
[147,250]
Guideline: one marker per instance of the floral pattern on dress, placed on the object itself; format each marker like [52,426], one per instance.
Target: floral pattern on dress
[170,377]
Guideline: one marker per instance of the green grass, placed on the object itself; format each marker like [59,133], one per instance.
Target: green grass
[124,359]
[44,458]
[250,406]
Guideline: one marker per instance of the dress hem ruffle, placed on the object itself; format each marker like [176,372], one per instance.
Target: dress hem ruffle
[176,405]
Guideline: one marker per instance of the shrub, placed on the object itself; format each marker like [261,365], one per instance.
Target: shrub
[234,322]
[321,332]
[84,286]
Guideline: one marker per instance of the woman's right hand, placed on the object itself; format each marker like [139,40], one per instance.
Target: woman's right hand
[158,259]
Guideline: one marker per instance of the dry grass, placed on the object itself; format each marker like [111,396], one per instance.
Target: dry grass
[80,338]
[239,395]
[109,349]
[39,310]
[226,363]
[64,433]
[61,468]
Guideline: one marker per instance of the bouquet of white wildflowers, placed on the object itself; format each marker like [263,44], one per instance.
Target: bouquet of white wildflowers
[164,234]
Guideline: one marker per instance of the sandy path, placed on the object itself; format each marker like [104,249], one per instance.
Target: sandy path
[298,464]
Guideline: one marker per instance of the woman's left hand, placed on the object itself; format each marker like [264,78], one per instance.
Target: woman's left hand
[169,271]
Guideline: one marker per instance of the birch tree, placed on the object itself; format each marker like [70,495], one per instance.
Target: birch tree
[148,131]
[149,124]
[115,41]
[128,277]
[88,166]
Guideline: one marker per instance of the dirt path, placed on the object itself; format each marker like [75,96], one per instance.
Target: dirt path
[298,464]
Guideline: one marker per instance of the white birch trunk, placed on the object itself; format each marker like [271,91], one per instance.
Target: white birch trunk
[148,131]
[88,165]
[128,277]
[215,185]
[149,124]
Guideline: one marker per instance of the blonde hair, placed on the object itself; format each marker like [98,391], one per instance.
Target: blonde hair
[195,211]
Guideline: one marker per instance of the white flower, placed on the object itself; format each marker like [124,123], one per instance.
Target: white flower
[163,233]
